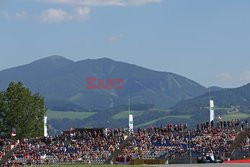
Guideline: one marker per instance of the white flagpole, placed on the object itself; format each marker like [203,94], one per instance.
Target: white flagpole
[211,110]
[45,127]
[130,119]
[131,124]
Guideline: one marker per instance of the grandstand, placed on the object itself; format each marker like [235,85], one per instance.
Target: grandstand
[165,144]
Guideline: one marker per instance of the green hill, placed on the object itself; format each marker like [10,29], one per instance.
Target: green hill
[63,84]
[229,103]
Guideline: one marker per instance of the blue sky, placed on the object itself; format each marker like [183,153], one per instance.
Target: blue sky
[207,41]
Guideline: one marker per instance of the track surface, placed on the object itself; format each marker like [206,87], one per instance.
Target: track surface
[207,165]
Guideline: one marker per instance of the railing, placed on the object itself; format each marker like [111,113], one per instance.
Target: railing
[117,152]
[8,155]
[235,146]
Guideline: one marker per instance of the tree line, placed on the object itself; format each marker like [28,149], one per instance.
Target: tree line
[22,111]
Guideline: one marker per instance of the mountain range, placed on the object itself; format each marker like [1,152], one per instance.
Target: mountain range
[155,97]
[236,98]
[63,84]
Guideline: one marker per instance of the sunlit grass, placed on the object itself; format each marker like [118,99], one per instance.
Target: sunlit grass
[68,114]
[166,117]
[234,115]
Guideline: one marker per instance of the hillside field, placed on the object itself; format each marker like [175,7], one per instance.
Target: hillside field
[68,114]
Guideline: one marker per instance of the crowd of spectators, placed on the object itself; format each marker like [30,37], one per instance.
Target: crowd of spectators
[170,143]
[95,146]
[76,146]
[6,145]
[245,145]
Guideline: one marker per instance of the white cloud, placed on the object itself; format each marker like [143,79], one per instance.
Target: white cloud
[82,13]
[55,16]
[103,2]
[245,76]
[58,15]
[16,16]
[116,37]
[224,76]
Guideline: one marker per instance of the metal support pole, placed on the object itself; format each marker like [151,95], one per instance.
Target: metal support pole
[190,151]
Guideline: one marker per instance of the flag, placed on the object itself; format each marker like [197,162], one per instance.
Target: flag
[45,129]
[211,110]
[131,124]
[13,132]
